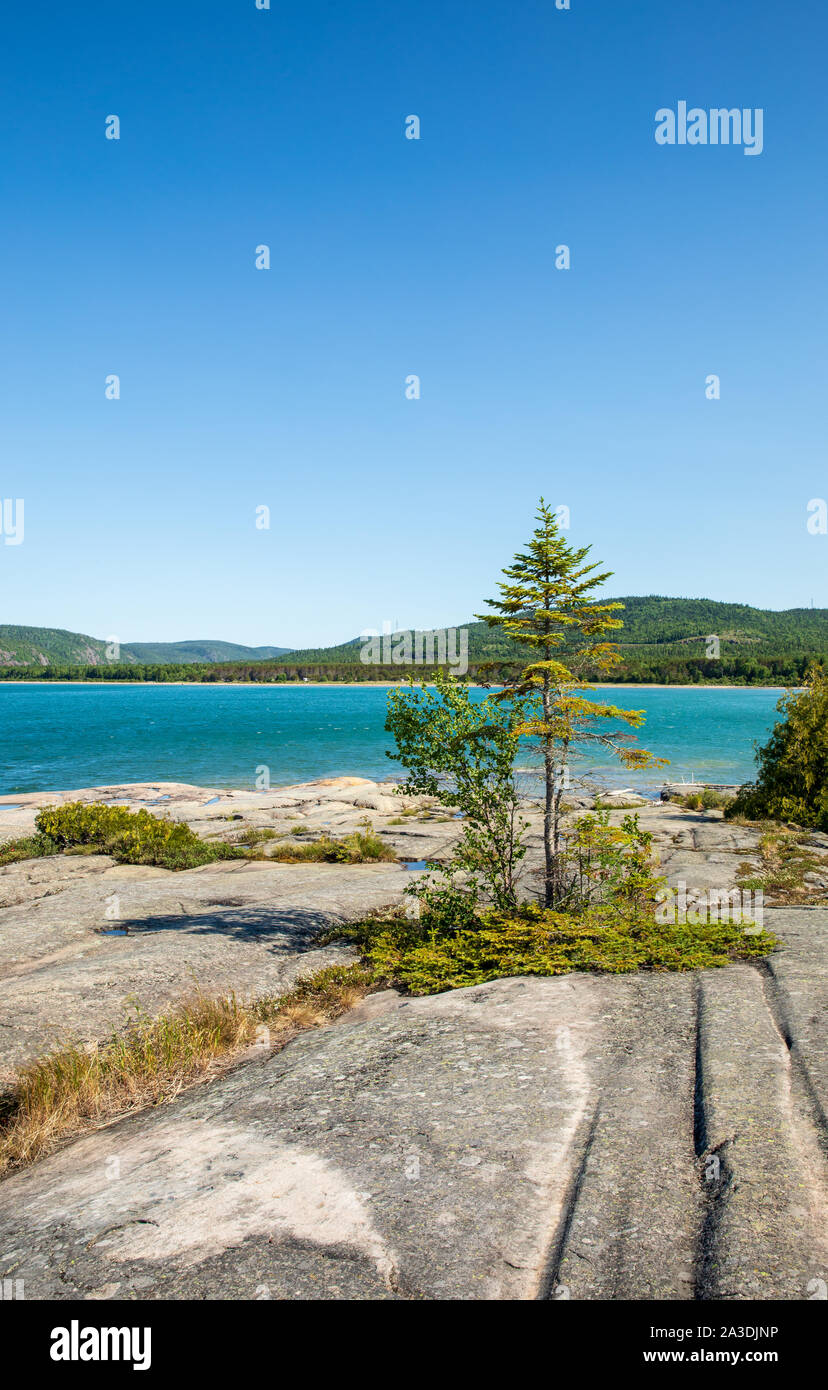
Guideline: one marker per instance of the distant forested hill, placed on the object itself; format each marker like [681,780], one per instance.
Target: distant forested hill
[49,646]
[663,641]
[46,646]
[157,652]
[657,620]
[654,628]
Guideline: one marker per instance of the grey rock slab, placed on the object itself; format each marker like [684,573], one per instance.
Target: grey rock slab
[528,1138]
[29,879]
[765,1234]
[425,1152]
[240,926]
[698,871]
[632,1227]
[797,996]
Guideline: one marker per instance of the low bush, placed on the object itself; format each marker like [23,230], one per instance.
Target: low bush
[446,901]
[792,781]
[137,837]
[29,847]
[707,800]
[251,838]
[597,863]
[131,837]
[82,823]
[537,941]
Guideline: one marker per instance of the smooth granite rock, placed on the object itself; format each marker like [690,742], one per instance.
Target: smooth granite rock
[244,927]
[585,1137]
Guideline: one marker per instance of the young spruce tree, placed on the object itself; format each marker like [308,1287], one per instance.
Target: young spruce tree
[547,603]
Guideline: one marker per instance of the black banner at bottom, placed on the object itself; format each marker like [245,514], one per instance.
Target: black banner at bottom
[63,1339]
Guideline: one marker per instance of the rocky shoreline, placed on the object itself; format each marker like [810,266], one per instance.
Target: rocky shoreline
[585,1137]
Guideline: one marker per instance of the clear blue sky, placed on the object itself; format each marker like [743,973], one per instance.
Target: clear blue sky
[389,257]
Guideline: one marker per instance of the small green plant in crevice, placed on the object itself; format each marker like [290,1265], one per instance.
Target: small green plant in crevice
[253,837]
[784,862]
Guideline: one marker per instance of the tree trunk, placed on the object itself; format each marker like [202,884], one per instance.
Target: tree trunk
[549,815]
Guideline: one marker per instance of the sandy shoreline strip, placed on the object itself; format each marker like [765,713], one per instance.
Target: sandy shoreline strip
[377,685]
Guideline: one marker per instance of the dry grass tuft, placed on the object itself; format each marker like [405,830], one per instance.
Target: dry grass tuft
[75,1088]
[361,847]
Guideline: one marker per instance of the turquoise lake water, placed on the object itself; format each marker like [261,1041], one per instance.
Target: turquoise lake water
[61,736]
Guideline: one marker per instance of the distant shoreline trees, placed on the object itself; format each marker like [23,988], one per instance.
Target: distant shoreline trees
[773,671]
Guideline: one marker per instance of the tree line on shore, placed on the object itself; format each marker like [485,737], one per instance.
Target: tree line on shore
[758,668]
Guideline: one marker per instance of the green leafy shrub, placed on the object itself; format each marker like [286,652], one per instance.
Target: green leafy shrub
[707,800]
[605,863]
[460,752]
[79,823]
[167,844]
[713,800]
[792,784]
[446,903]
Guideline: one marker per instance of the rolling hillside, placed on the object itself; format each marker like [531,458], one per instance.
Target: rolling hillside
[662,640]
[48,646]
[152,653]
[654,626]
